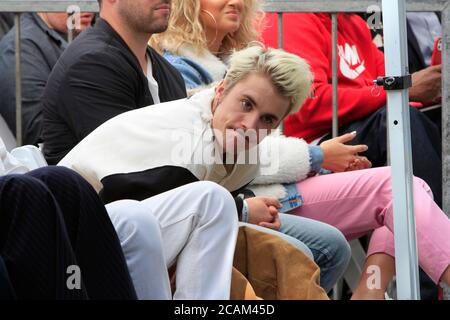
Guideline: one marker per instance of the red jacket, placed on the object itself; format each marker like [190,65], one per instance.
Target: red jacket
[359,63]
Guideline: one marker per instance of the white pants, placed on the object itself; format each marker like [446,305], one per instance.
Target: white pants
[194,225]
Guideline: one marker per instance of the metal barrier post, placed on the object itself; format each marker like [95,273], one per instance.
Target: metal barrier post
[334,25]
[18,82]
[446,108]
[396,60]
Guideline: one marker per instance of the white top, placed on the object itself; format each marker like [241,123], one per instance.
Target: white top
[9,164]
[152,84]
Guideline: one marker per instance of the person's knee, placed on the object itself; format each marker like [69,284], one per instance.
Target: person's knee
[421,124]
[218,202]
[19,182]
[421,184]
[339,250]
[51,171]
[22,191]
[54,174]
[134,222]
[300,246]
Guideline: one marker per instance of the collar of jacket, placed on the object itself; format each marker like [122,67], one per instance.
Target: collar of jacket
[215,66]
[204,99]
[103,25]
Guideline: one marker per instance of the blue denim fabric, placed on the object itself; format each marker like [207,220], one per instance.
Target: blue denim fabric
[194,75]
[315,157]
[292,200]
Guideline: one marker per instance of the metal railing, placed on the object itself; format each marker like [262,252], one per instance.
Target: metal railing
[46,5]
[328,6]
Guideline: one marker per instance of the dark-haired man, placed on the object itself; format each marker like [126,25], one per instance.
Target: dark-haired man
[108,70]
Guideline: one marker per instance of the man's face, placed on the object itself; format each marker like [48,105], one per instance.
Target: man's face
[58,21]
[247,112]
[148,16]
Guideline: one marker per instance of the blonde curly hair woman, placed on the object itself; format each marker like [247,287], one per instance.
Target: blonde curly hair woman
[203,33]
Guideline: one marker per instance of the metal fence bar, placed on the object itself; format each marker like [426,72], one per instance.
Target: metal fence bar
[18,82]
[270,5]
[446,109]
[334,80]
[69,35]
[396,60]
[46,6]
[346,5]
[280,30]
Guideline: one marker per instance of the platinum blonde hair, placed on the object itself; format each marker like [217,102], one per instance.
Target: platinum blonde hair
[290,75]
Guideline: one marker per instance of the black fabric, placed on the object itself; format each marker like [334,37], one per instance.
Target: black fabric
[6,288]
[40,49]
[144,184]
[97,78]
[51,219]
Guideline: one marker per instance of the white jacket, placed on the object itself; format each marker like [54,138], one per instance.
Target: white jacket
[153,149]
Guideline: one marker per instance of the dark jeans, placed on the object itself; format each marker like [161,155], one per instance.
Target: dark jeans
[50,219]
[426,157]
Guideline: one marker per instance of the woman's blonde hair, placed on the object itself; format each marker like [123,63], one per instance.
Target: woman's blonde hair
[289,74]
[185,28]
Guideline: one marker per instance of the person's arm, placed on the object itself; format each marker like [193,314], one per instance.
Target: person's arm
[282,160]
[426,85]
[95,89]
[303,36]
[288,159]
[35,72]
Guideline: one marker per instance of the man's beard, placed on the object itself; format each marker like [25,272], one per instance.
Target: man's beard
[144,23]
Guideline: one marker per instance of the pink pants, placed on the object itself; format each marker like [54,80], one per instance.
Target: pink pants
[360,201]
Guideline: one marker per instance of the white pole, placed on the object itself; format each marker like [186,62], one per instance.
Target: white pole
[396,56]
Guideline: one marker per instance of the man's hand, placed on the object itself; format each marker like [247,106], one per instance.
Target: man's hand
[426,84]
[263,211]
[338,157]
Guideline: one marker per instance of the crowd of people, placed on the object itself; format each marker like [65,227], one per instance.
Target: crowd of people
[160,125]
